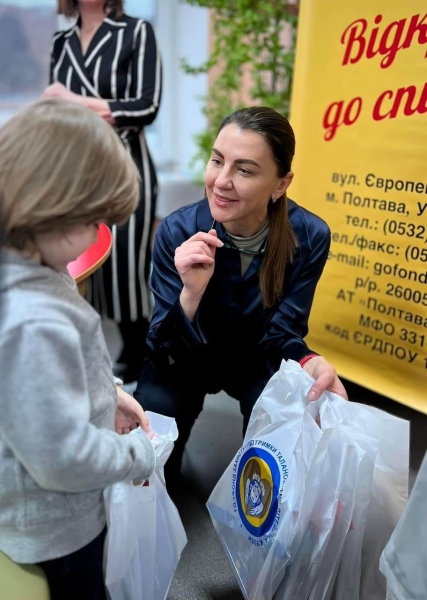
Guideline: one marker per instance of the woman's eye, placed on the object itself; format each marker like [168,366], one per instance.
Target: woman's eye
[215,161]
[245,172]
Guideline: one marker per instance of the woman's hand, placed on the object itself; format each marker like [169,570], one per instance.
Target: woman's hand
[97,105]
[129,414]
[195,263]
[57,90]
[326,378]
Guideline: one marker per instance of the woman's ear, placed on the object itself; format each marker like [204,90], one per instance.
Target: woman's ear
[283,185]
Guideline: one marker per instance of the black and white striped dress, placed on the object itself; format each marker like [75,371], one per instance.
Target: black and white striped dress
[121,65]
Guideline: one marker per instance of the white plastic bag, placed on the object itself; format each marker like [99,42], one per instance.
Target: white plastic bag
[346,580]
[328,506]
[404,559]
[291,509]
[389,489]
[248,503]
[145,534]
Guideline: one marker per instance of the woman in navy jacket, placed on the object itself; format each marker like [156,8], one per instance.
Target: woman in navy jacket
[234,277]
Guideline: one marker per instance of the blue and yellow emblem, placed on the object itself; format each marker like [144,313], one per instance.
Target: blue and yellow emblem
[257,490]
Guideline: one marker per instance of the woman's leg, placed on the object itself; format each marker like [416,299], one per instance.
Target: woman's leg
[129,364]
[78,575]
[134,252]
[247,391]
[171,394]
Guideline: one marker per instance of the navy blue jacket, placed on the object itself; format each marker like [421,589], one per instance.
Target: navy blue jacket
[233,333]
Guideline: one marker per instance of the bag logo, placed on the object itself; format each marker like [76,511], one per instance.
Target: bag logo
[258,477]
[255,492]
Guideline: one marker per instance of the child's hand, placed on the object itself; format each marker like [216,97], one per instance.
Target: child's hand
[129,414]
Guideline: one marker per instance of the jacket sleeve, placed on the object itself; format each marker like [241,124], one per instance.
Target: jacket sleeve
[171,334]
[45,414]
[146,81]
[54,54]
[283,338]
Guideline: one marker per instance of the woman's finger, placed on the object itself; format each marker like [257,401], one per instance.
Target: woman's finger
[327,381]
[339,389]
[187,262]
[191,247]
[209,238]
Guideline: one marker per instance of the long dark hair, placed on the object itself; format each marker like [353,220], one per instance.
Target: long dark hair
[281,244]
[69,8]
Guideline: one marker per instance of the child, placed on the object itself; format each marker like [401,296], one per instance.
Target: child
[63,171]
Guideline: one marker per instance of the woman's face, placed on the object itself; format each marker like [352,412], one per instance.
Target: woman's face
[241,177]
[92,3]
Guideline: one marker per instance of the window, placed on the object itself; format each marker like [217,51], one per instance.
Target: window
[182,32]
[26,28]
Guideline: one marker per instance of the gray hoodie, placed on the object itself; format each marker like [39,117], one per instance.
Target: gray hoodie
[58,447]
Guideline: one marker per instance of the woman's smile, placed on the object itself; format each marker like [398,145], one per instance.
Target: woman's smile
[222,201]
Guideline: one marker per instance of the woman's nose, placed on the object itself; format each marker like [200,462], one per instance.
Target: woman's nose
[224,179]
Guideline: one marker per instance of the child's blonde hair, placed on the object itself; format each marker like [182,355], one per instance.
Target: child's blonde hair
[62,165]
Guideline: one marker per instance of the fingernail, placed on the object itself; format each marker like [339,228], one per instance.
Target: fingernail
[311,395]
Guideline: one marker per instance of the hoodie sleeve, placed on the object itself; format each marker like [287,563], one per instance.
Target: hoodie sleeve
[45,414]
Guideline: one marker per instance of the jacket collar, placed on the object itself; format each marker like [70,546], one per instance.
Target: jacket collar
[102,38]
[84,65]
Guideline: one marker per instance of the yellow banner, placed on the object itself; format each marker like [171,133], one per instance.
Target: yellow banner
[359,114]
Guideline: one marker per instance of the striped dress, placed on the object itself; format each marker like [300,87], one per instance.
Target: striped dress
[121,65]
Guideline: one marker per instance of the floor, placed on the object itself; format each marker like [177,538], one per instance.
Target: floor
[204,572]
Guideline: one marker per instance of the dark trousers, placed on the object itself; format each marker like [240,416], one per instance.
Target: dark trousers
[134,348]
[181,395]
[78,576]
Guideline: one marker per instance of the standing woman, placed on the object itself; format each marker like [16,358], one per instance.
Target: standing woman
[109,63]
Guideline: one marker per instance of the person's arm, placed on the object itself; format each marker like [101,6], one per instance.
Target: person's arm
[174,332]
[97,105]
[140,109]
[54,54]
[45,414]
[58,90]
[129,413]
[288,327]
